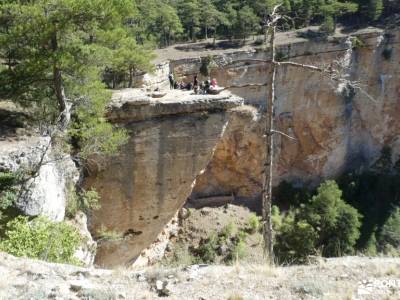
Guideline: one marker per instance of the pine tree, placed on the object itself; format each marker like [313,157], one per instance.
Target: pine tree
[375,8]
[53,56]
[210,17]
[188,11]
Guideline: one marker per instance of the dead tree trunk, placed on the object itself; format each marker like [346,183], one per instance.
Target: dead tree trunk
[334,72]
[268,167]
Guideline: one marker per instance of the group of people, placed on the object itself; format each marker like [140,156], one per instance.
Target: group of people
[202,87]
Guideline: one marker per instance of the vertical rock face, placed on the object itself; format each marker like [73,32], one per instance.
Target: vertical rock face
[335,131]
[171,142]
[46,193]
[236,166]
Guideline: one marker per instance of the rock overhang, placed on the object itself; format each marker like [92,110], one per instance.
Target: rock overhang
[134,105]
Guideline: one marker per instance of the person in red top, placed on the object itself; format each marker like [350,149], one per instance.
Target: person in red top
[214,83]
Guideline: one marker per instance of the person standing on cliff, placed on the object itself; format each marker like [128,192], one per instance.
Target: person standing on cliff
[171,81]
[195,84]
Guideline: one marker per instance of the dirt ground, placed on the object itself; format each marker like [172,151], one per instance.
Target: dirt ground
[339,278]
[208,47]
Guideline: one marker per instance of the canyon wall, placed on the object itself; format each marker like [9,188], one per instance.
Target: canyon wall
[171,141]
[335,130]
[185,145]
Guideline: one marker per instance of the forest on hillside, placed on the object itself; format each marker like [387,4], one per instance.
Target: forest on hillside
[165,22]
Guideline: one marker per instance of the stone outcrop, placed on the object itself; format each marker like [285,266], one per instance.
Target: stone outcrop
[236,165]
[86,251]
[54,173]
[171,141]
[335,130]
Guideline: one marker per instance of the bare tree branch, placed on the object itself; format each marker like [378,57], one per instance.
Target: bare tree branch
[284,134]
[244,85]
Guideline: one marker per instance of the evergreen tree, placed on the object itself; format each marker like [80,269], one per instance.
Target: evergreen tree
[168,23]
[53,56]
[188,11]
[210,17]
[375,8]
[248,22]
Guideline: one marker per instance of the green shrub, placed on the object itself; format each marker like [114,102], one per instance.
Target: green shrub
[370,247]
[181,256]
[374,193]
[226,246]
[253,224]
[325,223]
[207,250]
[387,53]
[390,232]
[7,179]
[238,251]
[337,222]
[328,26]
[206,65]
[110,235]
[84,201]
[8,191]
[276,218]
[227,231]
[295,240]
[41,238]
[357,43]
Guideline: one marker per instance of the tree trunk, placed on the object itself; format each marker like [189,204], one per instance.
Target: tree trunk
[63,107]
[267,184]
[206,29]
[130,84]
[265,34]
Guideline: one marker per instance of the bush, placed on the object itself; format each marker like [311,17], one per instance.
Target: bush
[41,238]
[238,251]
[370,247]
[390,232]
[326,223]
[338,223]
[206,65]
[207,250]
[109,235]
[356,43]
[7,179]
[253,224]
[374,193]
[84,201]
[295,240]
[8,192]
[328,26]
[227,231]
[227,245]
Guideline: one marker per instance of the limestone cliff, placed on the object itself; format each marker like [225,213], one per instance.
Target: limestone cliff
[334,131]
[171,142]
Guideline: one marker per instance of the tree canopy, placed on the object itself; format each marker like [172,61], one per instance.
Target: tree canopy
[54,54]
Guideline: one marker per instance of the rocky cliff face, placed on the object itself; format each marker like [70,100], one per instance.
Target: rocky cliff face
[171,142]
[334,131]
[184,142]
[47,191]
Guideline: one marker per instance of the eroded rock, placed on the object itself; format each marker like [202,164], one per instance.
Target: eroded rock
[171,142]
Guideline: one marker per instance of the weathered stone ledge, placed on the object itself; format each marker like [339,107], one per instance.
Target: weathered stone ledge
[132,105]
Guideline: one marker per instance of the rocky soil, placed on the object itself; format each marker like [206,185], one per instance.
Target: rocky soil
[201,223]
[340,278]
